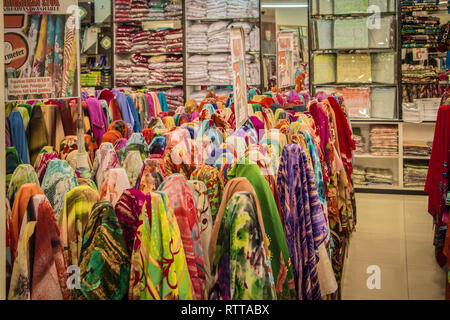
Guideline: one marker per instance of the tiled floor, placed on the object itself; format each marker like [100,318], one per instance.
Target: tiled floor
[395,233]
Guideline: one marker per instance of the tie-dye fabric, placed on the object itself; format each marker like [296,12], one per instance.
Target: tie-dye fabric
[200,193]
[58,180]
[105,159]
[158,265]
[115,184]
[104,261]
[128,209]
[24,173]
[214,183]
[77,207]
[181,199]
[304,222]
[241,266]
[43,164]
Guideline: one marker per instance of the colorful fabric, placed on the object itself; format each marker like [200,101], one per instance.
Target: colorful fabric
[181,199]
[115,184]
[43,164]
[18,137]
[105,159]
[58,180]
[241,266]
[104,276]
[158,265]
[24,173]
[77,207]
[150,177]
[133,164]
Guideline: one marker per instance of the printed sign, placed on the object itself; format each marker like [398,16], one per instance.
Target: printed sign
[420,54]
[239,77]
[285,56]
[25,86]
[38,6]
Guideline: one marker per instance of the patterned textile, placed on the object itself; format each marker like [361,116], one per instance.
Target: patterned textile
[150,177]
[181,199]
[105,159]
[59,179]
[133,164]
[157,146]
[304,220]
[128,210]
[119,126]
[214,183]
[12,162]
[24,173]
[200,193]
[158,265]
[241,266]
[43,164]
[49,279]
[104,261]
[115,184]
[67,145]
[77,207]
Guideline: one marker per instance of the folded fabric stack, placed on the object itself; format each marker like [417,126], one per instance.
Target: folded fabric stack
[359,176]
[196,9]
[216,9]
[416,149]
[384,141]
[197,69]
[123,72]
[252,35]
[173,11]
[198,37]
[219,69]
[415,174]
[139,10]
[122,10]
[411,113]
[237,8]
[420,31]
[123,39]
[379,176]
[140,42]
[156,10]
[414,74]
[218,36]
[253,8]
[162,41]
[166,70]
[174,97]
[429,107]
[359,142]
[139,70]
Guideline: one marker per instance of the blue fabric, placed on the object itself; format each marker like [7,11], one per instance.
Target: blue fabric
[18,136]
[251,94]
[229,101]
[163,102]
[132,107]
[209,107]
[127,116]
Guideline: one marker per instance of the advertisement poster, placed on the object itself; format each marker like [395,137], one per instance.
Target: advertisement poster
[239,77]
[285,56]
[40,49]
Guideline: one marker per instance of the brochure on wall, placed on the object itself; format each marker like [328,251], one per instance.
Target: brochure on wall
[40,49]
[239,77]
[285,56]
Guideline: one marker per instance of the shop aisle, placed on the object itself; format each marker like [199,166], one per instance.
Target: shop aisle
[394,232]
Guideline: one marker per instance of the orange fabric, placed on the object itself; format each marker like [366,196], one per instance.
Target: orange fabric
[111,136]
[115,110]
[20,205]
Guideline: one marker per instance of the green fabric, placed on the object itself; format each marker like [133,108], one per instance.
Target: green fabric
[256,107]
[24,173]
[269,93]
[279,253]
[12,162]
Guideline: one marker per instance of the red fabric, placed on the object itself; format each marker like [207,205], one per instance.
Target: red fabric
[107,96]
[436,185]
[346,141]
[115,110]
[148,135]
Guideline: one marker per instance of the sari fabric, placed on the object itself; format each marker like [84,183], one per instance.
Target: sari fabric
[181,199]
[104,261]
[241,265]
[150,177]
[24,173]
[128,210]
[214,183]
[77,207]
[304,220]
[158,265]
[59,179]
[115,183]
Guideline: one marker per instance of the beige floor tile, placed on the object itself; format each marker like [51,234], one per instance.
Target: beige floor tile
[420,253]
[382,221]
[377,248]
[393,282]
[425,283]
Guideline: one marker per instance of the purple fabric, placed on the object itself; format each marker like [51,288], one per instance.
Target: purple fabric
[293,96]
[98,119]
[128,209]
[194,115]
[259,126]
[303,219]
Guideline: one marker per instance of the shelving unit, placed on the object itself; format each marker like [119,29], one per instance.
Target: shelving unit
[191,86]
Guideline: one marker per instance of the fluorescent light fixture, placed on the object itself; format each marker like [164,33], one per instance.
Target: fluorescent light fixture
[284,5]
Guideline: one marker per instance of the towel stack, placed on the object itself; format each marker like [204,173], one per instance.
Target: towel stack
[173,11]
[219,69]
[123,72]
[198,37]
[218,36]
[197,69]
[139,10]
[196,9]
[122,10]
[384,140]
[166,70]
[139,42]
[139,70]
[123,39]
[216,9]
[237,8]
[166,41]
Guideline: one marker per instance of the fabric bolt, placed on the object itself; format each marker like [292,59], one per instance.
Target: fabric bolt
[18,137]
[23,174]
[150,177]
[115,183]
